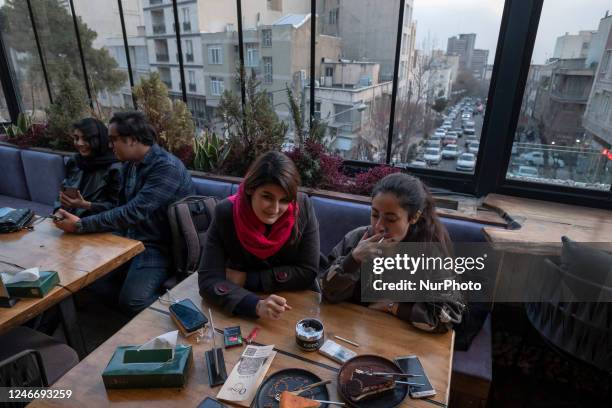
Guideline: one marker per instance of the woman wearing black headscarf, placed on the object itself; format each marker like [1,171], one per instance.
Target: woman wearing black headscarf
[93,174]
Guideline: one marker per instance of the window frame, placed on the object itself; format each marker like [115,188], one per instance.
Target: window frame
[211,54]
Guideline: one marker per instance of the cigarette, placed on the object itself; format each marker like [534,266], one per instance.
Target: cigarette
[346,340]
[382,239]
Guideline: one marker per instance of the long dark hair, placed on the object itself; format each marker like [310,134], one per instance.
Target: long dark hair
[96,134]
[274,168]
[414,197]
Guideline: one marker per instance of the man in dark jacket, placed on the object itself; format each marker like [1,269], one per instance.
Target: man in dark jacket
[152,179]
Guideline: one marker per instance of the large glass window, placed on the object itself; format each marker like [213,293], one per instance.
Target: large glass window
[444,77]
[104,51]
[18,36]
[564,133]
[355,60]
[4,113]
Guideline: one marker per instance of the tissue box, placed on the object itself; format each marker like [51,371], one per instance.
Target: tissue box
[121,374]
[35,289]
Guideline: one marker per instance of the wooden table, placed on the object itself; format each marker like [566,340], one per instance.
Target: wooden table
[543,223]
[78,259]
[376,332]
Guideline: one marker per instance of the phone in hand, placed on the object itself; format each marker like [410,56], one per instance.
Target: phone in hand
[55,217]
[412,365]
[187,314]
[71,192]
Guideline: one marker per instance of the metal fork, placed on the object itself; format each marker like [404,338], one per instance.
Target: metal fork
[305,388]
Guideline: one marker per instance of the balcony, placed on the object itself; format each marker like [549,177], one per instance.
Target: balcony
[162,57]
[159,29]
[187,26]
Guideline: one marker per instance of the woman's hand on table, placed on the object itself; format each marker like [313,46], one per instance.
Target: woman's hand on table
[236,277]
[67,222]
[385,306]
[78,202]
[272,307]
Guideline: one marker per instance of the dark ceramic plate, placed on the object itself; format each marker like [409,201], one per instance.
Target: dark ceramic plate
[289,380]
[388,399]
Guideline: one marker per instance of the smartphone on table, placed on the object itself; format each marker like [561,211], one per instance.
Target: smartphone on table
[71,192]
[412,365]
[209,402]
[187,314]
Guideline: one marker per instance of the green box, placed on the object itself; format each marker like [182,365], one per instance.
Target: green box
[173,373]
[35,289]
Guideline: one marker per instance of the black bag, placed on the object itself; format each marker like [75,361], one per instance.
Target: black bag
[189,219]
[15,220]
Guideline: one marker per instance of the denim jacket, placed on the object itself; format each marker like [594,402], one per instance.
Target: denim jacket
[147,189]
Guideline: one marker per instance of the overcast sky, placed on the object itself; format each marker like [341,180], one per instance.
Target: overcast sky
[441,19]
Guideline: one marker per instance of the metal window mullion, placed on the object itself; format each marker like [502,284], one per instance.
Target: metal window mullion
[241,53]
[81,55]
[313,39]
[126,46]
[43,65]
[398,47]
[9,86]
[179,49]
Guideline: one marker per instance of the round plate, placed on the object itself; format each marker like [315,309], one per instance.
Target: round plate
[388,399]
[289,380]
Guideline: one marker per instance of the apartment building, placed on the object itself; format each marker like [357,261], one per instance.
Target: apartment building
[463,46]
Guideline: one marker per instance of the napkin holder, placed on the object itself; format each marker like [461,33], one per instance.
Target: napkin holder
[133,368]
[34,289]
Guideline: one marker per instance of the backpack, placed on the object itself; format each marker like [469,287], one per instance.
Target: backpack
[189,219]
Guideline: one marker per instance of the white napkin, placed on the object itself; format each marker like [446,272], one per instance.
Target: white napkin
[26,275]
[164,341]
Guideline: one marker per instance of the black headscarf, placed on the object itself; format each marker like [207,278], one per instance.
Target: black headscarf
[96,134]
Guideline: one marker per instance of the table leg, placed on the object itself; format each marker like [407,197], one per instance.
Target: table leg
[74,337]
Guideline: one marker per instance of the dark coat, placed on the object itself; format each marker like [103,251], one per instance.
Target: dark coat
[293,267]
[100,187]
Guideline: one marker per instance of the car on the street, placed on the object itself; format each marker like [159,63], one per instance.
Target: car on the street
[525,172]
[467,124]
[473,147]
[466,116]
[536,158]
[469,131]
[449,139]
[471,139]
[466,162]
[440,132]
[432,155]
[450,151]
[418,163]
[433,142]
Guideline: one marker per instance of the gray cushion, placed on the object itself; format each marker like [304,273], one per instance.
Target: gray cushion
[477,360]
[44,173]
[211,188]
[12,179]
[336,218]
[57,357]
[38,208]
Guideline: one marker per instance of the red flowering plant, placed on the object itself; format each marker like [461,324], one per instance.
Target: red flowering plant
[364,182]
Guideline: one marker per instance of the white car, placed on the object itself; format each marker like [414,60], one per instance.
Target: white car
[440,132]
[536,158]
[525,172]
[450,151]
[469,131]
[418,163]
[466,116]
[432,155]
[466,162]
[473,147]
[433,143]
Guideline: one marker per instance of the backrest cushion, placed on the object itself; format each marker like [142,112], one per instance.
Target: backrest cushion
[463,231]
[212,188]
[336,218]
[12,177]
[44,173]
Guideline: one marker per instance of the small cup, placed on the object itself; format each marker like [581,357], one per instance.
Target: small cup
[309,334]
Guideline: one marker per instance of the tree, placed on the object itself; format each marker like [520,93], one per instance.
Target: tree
[439,105]
[58,41]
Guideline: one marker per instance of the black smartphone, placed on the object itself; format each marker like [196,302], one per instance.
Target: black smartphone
[412,365]
[71,192]
[209,402]
[188,315]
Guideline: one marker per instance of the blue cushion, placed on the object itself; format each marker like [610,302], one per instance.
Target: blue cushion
[211,188]
[336,218]
[44,173]
[464,231]
[12,178]
[477,360]
[235,188]
[38,208]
